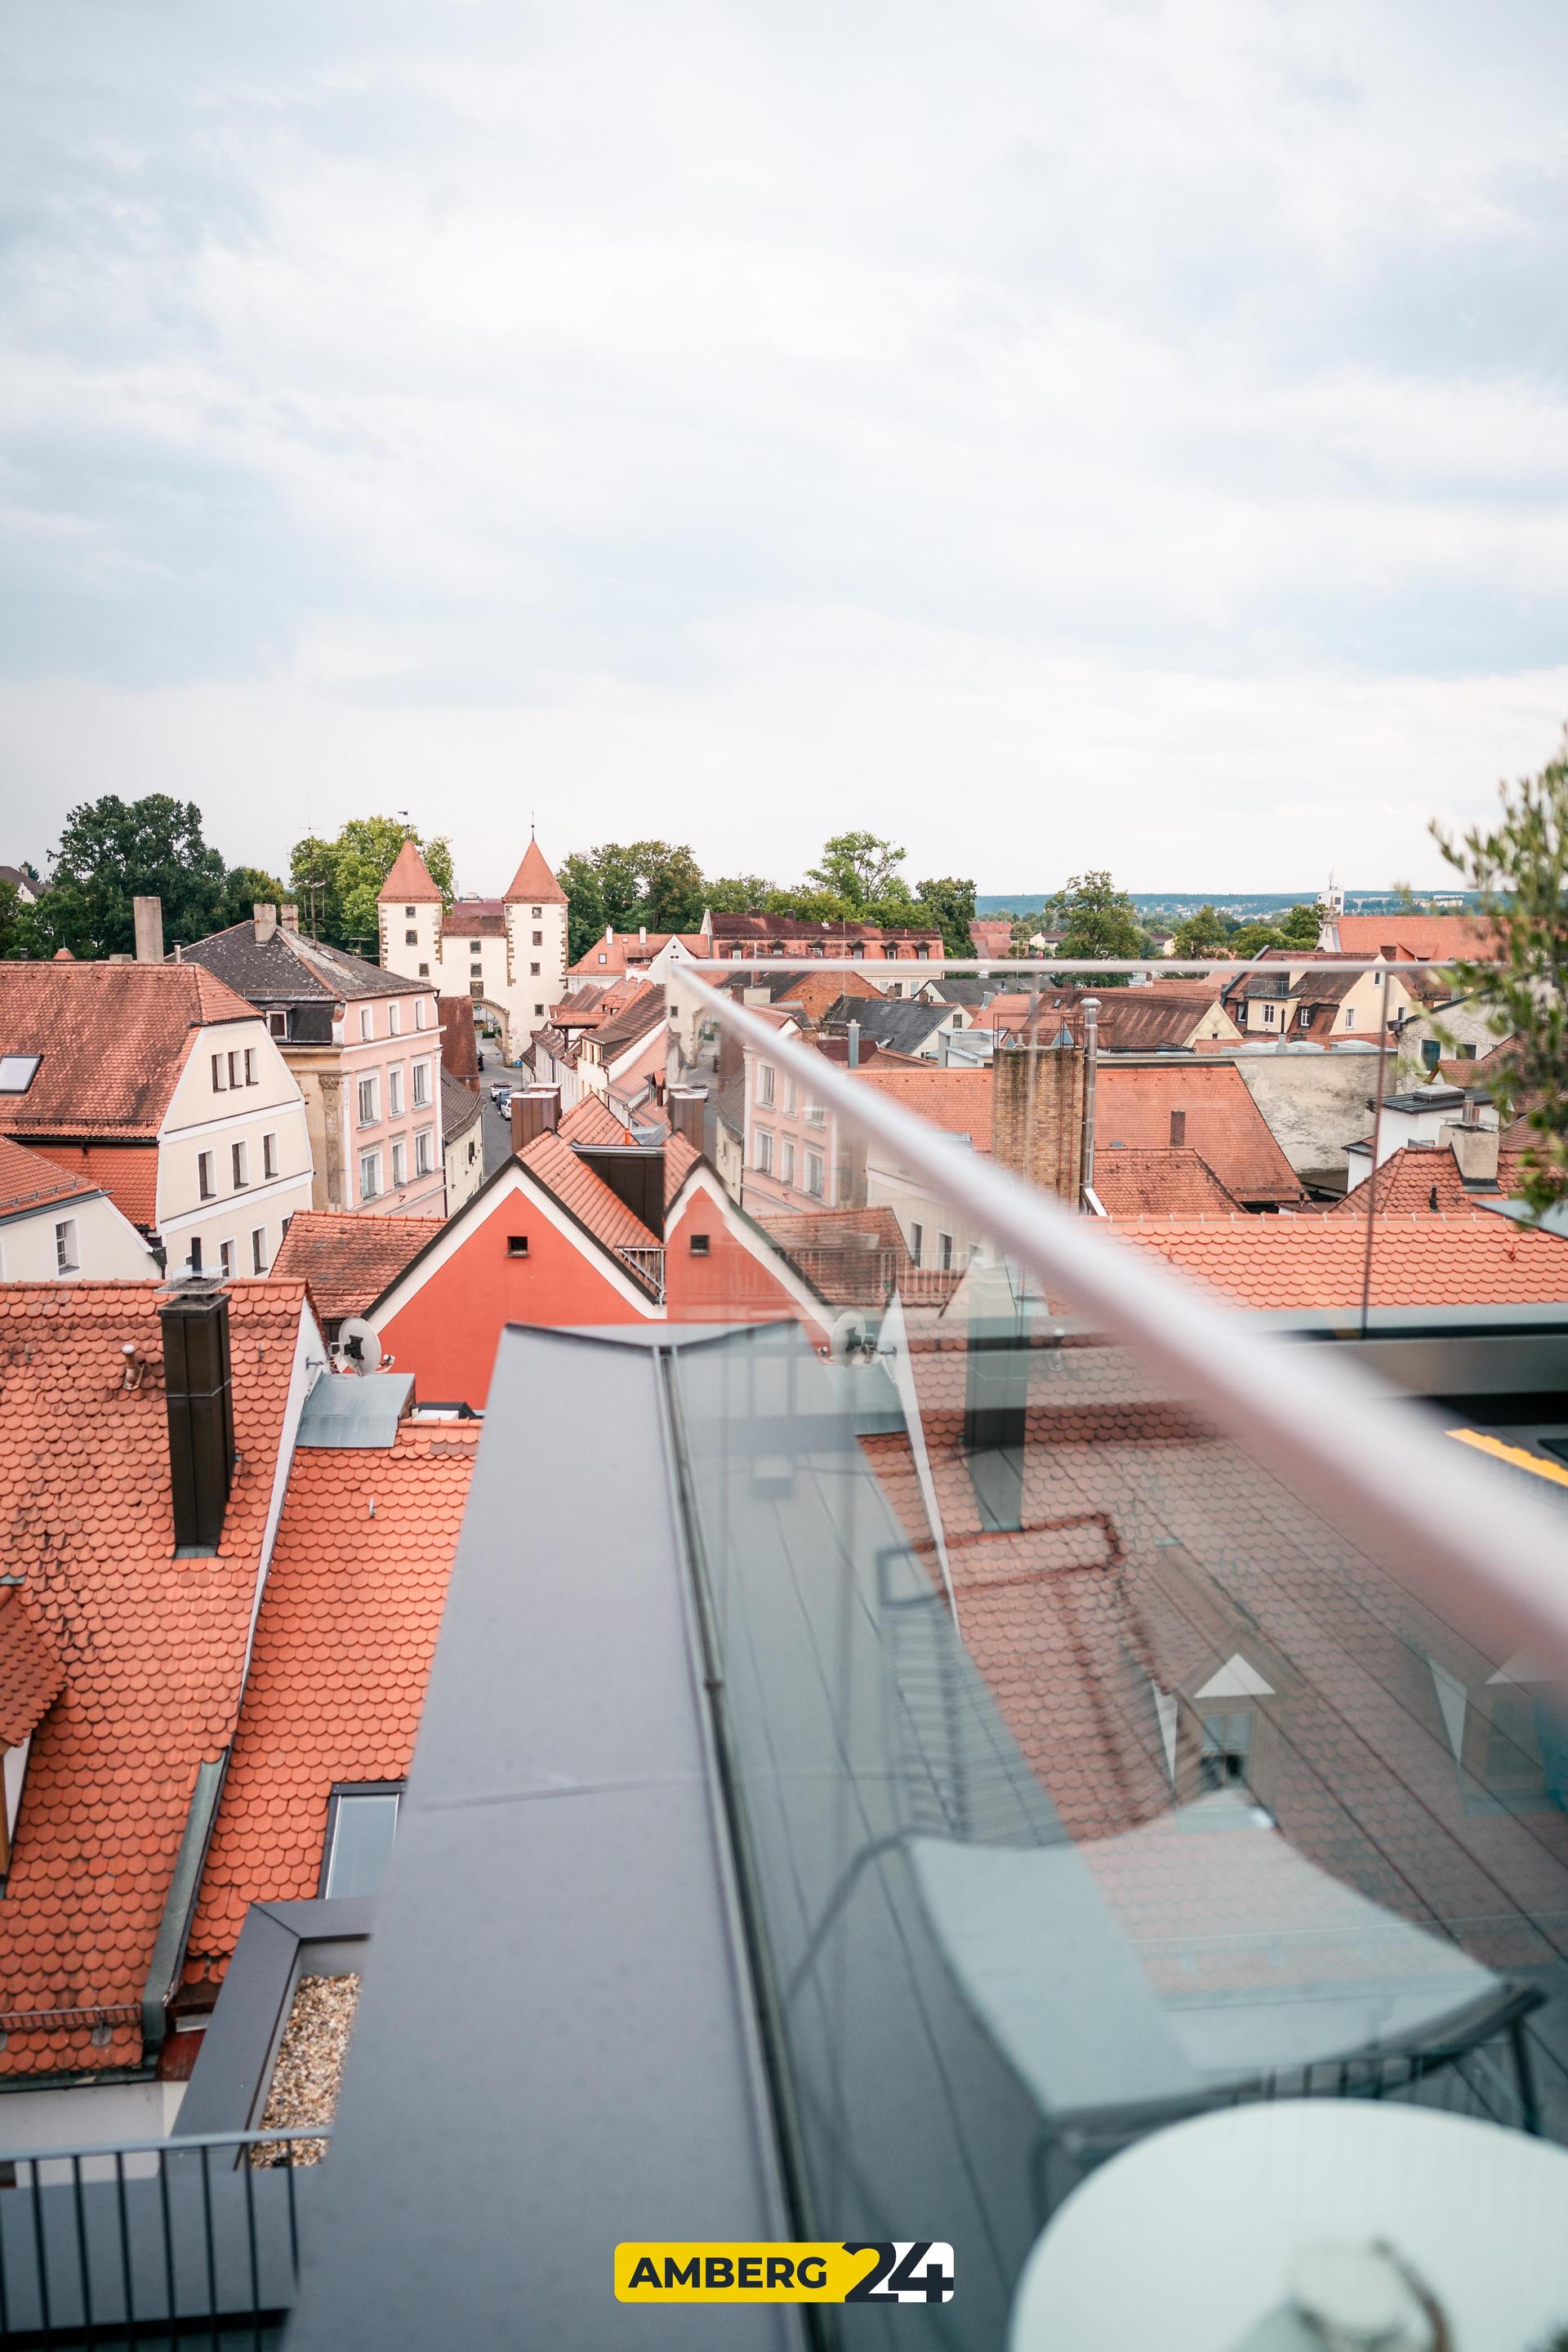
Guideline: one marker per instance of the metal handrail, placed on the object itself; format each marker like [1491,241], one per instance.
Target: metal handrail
[1493,1560]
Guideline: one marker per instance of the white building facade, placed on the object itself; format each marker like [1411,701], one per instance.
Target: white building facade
[506,955]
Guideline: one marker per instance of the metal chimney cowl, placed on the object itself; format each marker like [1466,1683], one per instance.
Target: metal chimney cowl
[198,1395]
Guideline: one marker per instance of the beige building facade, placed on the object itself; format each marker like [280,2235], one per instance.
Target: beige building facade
[506,955]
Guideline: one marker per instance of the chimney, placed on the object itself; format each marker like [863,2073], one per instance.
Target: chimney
[1091,1068]
[288,915]
[642,935]
[1475,1150]
[687,1109]
[1037,1115]
[853,1056]
[535,1111]
[264,918]
[1178,1130]
[194,1314]
[149,920]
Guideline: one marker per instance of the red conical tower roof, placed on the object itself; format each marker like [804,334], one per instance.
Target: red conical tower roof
[534,879]
[410,877]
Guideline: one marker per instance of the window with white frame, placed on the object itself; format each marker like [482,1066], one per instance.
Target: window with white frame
[425,1152]
[369,1104]
[258,1249]
[944,1252]
[535,913]
[399,1162]
[367,1021]
[226,1260]
[764,1082]
[220,1073]
[917,1242]
[252,1075]
[814,1172]
[421,1086]
[269,1155]
[206,1182]
[791,1094]
[420,1012]
[369,1175]
[762,1152]
[237,1069]
[239,1163]
[66,1260]
[395,1093]
[395,1019]
[786,1161]
[278,1025]
[1350,1016]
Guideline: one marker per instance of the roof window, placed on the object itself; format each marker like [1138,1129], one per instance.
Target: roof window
[17,1072]
[361,1821]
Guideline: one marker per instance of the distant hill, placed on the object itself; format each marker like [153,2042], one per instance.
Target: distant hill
[1245,903]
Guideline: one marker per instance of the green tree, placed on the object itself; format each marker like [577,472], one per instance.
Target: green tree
[950,905]
[1096,918]
[348,872]
[246,887]
[862,869]
[1253,939]
[739,894]
[621,885]
[1201,934]
[16,932]
[113,851]
[1300,926]
[1519,867]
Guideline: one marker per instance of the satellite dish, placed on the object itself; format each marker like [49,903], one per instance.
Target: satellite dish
[359,1344]
[853,1341]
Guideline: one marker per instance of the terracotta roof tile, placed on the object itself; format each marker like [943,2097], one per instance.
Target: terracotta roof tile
[1413,935]
[342,1652]
[533,878]
[557,1167]
[1143,1183]
[114,1038]
[151,1647]
[591,1120]
[1221,1122]
[30,1669]
[957,1100]
[1480,1259]
[347,1260]
[29,1180]
[409,879]
[1408,1177]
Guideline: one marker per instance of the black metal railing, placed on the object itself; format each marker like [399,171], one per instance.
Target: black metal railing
[154,2240]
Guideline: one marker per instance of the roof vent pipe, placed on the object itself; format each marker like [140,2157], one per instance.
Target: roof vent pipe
[147,916]
[1090,1066]
[853,1049]
[199,1399]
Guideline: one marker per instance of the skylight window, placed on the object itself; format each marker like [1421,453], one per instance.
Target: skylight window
[17,1072]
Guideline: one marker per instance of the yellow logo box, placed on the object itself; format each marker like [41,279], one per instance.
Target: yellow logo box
[910,2269]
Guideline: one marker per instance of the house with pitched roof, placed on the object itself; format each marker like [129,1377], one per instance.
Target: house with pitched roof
[1287,998]
[162,1087]
[506,955]
[642,951]
[887,952]
[150,1432]
[54,1227]
[365,1047]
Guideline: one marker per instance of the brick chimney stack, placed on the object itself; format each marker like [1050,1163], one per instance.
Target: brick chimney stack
[688,1108]
[290,916]
[265,919]
[535,1110]
[1037,1115]
[147,916]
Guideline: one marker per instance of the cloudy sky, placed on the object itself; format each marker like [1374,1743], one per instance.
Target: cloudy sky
[1057,433]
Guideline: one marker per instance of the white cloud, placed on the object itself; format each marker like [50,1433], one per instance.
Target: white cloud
[1059,433]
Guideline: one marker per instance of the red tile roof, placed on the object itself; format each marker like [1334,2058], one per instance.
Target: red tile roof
[31,1672]
[1407,1178]
[1413,935]
[114,1038]
[348,1260]
[29,1180]
[956,1100]
[128,1172]
[573,1183]
[1480,1259]
[153,1647]
[342,1652]
[1134,1107]
[409,879]
[591,1120]
[614,954]
[679,1158]
[533,878]
[1151,1183]
[815,993]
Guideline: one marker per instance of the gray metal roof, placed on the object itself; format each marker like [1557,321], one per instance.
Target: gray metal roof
[356,1409]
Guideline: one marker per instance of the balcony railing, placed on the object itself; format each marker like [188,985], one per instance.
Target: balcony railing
[646,1263]
[153,2238]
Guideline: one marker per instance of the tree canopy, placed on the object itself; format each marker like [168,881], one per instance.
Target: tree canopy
[622,885]
[1519,866]
[112,852]
[1096,918]
[348,872]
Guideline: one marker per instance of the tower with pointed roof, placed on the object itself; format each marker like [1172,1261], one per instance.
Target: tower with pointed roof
[506,955]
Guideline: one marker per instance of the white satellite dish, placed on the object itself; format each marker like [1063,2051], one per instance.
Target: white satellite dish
[853,1340]
[358,1345]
